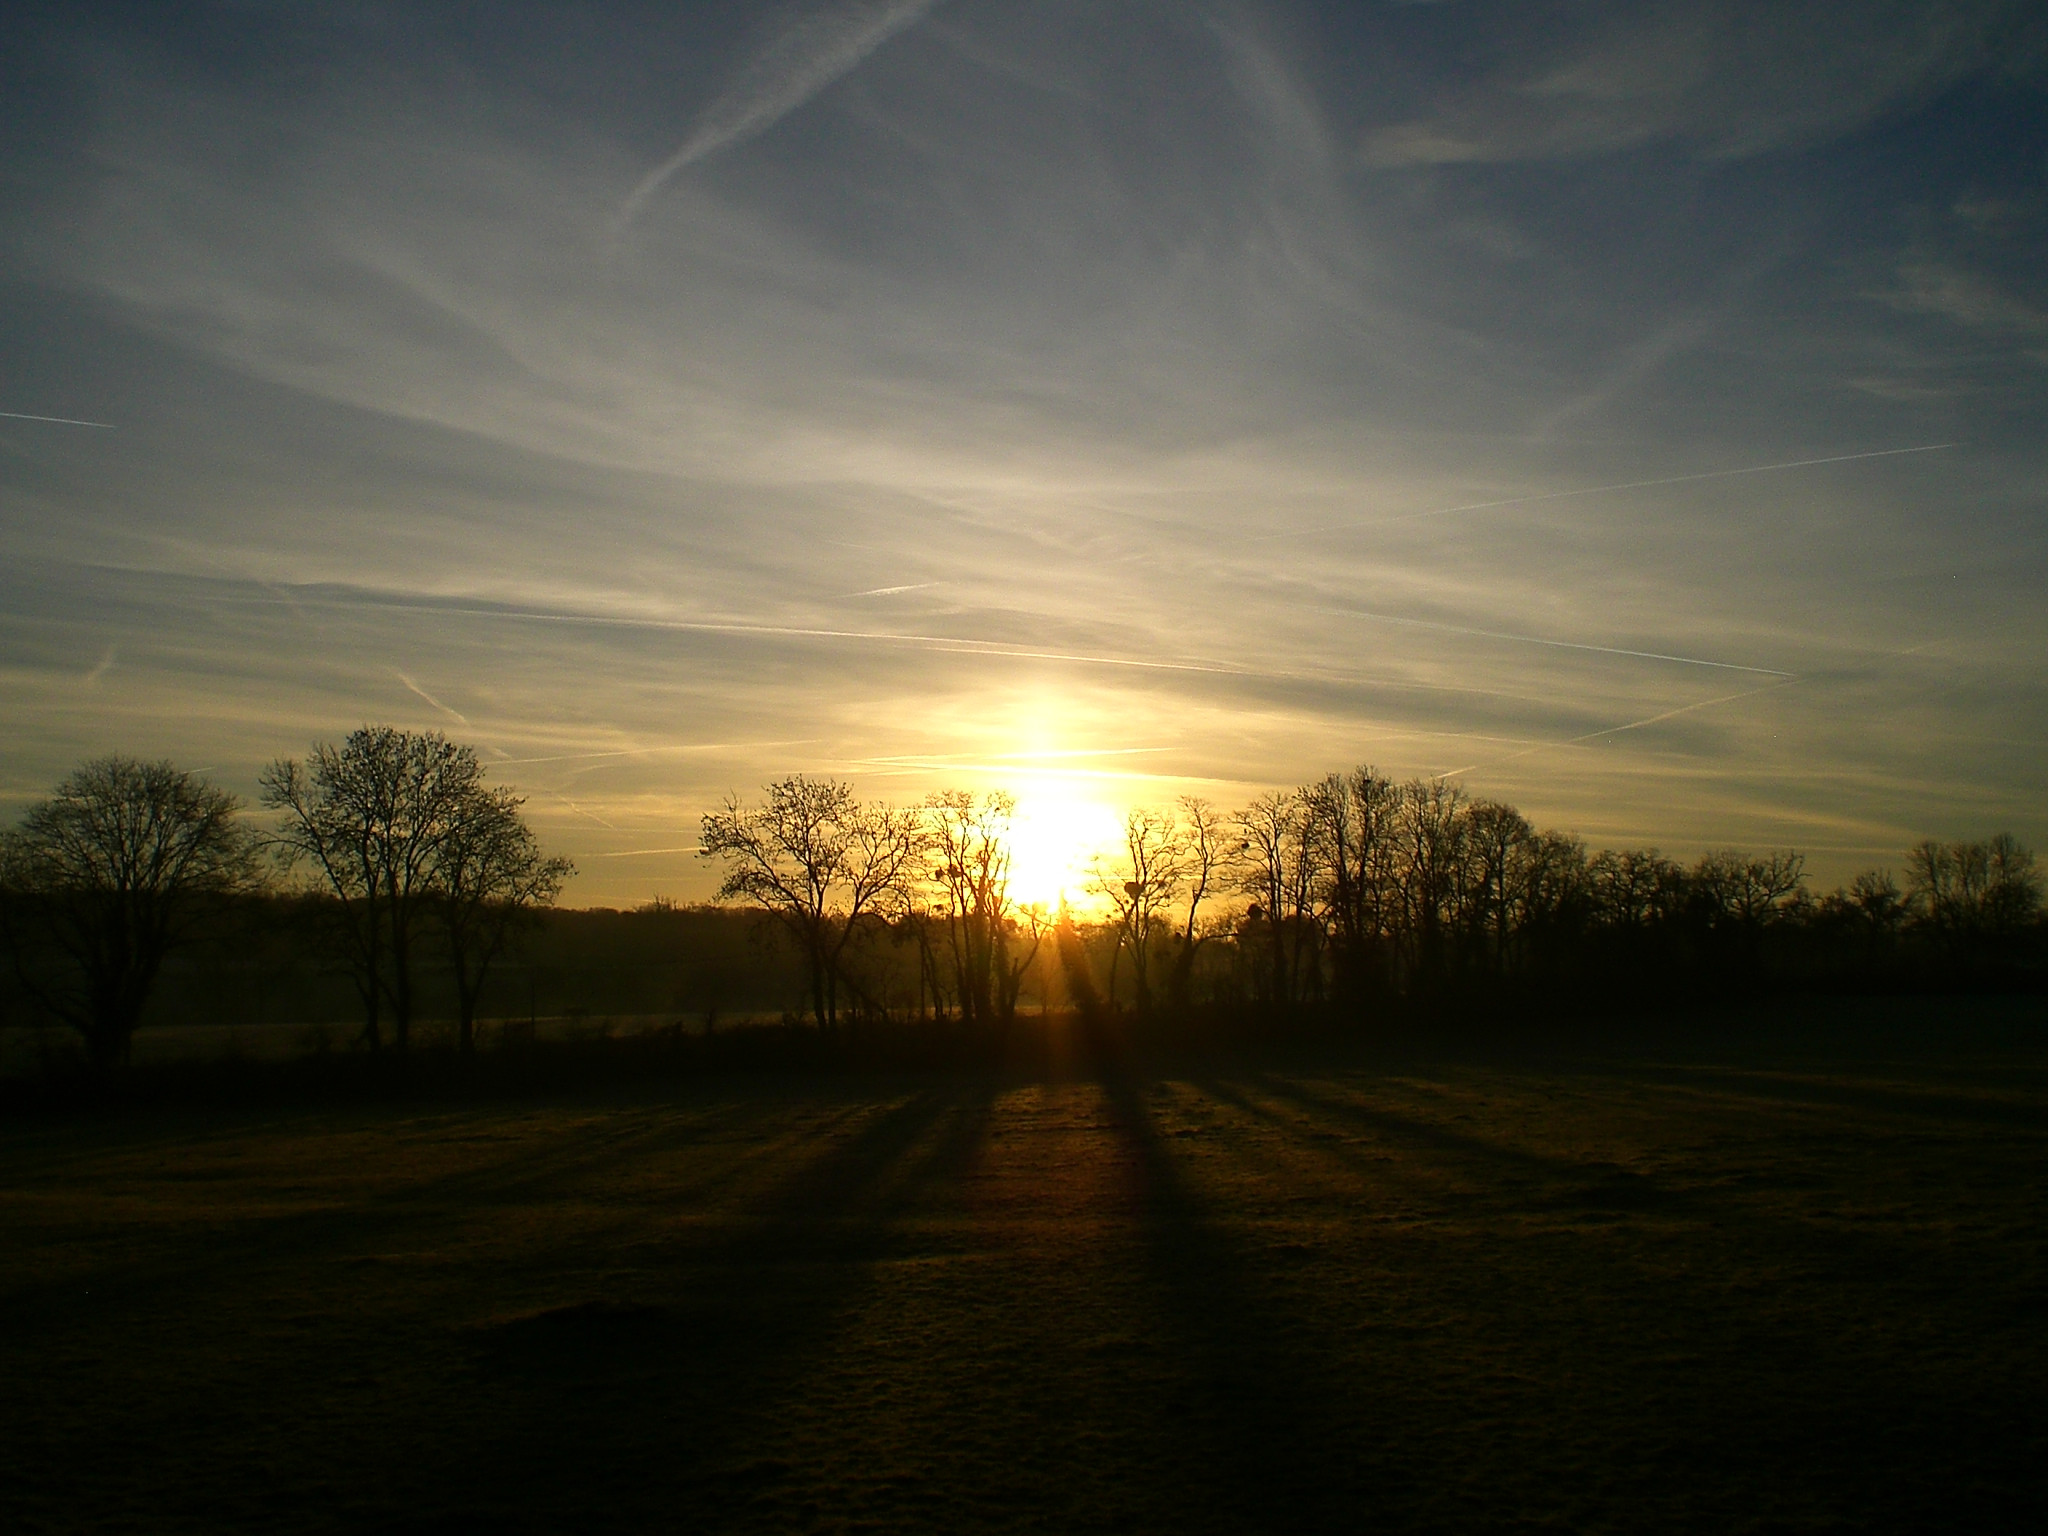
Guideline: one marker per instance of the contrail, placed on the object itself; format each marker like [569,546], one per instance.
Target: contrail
[782,77]
[672,747]
[62,421]
[904,765]
[938,643]
[949,644]
[588,815]
[1600,490]
[1564,645]
[416,688]
[916,586]
[927,759]
[1669,714]
[1616,730]
[93,677]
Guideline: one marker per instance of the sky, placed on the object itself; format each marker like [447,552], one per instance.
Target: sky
[1633,410]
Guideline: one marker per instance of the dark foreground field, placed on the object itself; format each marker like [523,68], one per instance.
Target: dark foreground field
[1772,1281]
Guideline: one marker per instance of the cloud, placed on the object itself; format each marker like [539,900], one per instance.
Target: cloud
[797,63]
[1728,80]
[1968,298]
[1099,356]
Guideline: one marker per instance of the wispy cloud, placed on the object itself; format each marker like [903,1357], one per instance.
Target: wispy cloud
[1602,490]
[1729,81]
[1090,309]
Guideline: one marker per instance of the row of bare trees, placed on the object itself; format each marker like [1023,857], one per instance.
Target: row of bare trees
[1356,885]
[1348,888]
[834,869]
[397,834]
[1345,889]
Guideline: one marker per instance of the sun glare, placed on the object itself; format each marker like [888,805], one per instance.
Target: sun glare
[1053,840]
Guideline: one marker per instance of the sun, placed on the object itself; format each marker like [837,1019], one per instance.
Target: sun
[1054,838]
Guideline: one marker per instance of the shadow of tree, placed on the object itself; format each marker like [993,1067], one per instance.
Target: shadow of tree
[1287,1448]
[658,1397]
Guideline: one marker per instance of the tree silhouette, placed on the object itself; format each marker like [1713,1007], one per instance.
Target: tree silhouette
[370,818]
[1354,814]
[1279,862]
[1497,841]
[820,861]
[968,839]
[1204,853]
[1973,894]
[488,875]
[108,876]
[1140,884]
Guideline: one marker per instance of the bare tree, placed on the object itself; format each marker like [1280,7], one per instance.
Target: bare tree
[489,874]
[1743,894]
[107,877]
[969,840]
[1204,847]
[1354,814]
[1748,891]
[2013,891]
[1279,862]
[369,819]
[1140,884]
[1878,901]
[1550,901]
[821,861]
[1872,912]
[1634,889]
[1430,825]
[1022,946]
[1497,842]
[1969,892]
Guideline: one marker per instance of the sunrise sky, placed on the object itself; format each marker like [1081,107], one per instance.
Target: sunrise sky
[1635,409]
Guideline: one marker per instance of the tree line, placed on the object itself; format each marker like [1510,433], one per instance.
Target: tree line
[1350,890]
[1347,890]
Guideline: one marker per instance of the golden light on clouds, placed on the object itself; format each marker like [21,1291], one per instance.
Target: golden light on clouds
[795,390]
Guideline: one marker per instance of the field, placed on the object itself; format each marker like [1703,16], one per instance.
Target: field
[1782,1277]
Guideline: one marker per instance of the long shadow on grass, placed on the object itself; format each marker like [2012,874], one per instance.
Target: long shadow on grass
[617,1407]
[1566,1181]
[619,1412]
[2001,1109]
[1775,1426]
[279,1241]
[1268,1417]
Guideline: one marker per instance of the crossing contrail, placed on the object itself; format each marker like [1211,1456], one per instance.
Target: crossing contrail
[1599,490]
[62,421]
[1616,730]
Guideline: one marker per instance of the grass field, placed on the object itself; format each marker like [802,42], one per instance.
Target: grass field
[1697,1286]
